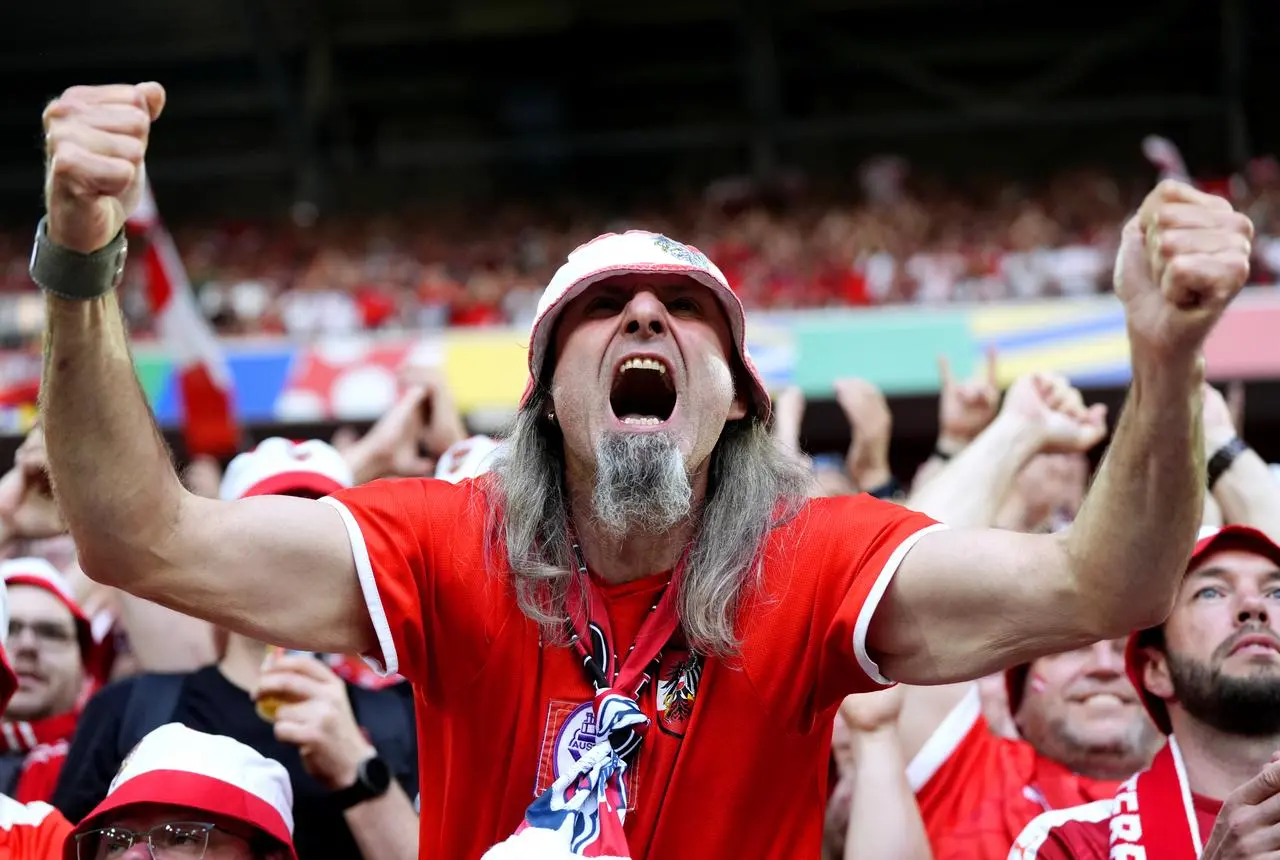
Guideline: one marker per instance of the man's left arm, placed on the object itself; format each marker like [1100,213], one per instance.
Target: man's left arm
[965,603]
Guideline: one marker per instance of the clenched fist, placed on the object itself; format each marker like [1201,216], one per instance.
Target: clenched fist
[1182,259]
[95,142]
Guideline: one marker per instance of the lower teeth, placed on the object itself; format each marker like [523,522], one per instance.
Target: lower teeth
[641,419]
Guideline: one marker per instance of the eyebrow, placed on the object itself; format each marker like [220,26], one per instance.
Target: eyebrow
[1216,572]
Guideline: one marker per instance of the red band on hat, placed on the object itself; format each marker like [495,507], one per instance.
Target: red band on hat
[193,790]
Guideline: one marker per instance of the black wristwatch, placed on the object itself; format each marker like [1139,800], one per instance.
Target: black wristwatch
[1222,459]
[373,778]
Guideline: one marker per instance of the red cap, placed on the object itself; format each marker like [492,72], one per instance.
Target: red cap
[638,252]
[39,573]
[1211,541]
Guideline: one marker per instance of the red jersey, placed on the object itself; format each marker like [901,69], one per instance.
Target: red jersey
[1084,832]
[977,791]
[500,714]
[31,831]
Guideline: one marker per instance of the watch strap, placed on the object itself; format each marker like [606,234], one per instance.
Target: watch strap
[373,778]
[70,274]
[1223,458]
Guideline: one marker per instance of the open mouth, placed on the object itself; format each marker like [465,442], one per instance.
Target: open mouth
[643,392]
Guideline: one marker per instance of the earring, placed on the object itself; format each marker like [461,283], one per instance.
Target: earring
[551,416]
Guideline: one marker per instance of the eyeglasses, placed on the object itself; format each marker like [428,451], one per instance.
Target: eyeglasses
[177,840]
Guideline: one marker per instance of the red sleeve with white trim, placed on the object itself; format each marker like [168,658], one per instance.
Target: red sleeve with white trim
[418,548]
[825,573]
[1079,833]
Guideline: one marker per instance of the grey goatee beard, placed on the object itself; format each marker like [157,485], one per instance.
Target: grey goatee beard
[641,484]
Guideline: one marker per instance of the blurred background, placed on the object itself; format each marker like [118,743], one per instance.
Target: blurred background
[351,187]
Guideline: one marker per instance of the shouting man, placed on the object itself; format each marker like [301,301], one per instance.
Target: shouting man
[639,598]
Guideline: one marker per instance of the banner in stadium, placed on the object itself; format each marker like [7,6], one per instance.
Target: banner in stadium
[354,378]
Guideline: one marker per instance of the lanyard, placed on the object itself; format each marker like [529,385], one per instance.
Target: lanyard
[591,635]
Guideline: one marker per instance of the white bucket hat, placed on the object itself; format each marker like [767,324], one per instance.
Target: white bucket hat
[638,252]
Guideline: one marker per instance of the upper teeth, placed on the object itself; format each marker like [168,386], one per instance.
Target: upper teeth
[643,364]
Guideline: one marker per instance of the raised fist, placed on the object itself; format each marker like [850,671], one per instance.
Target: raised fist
[1182,259]
[1049,406]
[95,142]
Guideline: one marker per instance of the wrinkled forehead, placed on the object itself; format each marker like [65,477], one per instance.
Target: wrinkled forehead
[1231,563]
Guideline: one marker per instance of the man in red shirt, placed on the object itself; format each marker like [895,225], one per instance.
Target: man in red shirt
[1210,677]
[631,637]
[1081,730]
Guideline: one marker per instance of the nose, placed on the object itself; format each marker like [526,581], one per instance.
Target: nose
[1251,608]
[1106,658]
[139,850]
[645,315]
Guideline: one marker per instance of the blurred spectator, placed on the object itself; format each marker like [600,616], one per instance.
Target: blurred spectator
[50,646]
[350,752]
[186,794]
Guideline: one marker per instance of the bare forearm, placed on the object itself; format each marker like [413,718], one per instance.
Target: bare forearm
[1249,494]
[386,827]
[111,470]
[1132,537]
[884,820]
[968,491]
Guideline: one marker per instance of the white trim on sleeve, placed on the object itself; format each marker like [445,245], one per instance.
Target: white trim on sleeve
[1034,835]
[873,600]
[390,663]
[942,744]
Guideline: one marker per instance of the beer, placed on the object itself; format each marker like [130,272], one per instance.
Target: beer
[266,706]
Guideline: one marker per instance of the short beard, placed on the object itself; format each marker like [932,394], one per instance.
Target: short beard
[641,484]
[1248,706]
[1111,759]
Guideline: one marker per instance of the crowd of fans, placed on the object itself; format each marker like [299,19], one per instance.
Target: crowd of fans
[99,670]
[892,240]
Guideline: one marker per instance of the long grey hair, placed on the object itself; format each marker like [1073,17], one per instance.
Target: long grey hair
[753,487]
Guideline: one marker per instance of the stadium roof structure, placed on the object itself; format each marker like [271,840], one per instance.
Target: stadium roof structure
[294,95]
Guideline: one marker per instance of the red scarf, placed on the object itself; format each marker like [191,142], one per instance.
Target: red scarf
[582,813]
[1154,816]
[46,743]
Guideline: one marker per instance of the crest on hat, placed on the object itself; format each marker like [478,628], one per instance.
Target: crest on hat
[681,252]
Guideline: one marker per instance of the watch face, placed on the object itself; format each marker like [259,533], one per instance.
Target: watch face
[375,774]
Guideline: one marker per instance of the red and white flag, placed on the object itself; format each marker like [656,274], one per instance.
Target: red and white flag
[205,389]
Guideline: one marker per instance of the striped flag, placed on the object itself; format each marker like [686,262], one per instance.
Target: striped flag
[205,389]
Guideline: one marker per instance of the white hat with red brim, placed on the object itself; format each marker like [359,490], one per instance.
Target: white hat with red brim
[39,573]
[282,467]
[466,458]
[178,766]
[638,252]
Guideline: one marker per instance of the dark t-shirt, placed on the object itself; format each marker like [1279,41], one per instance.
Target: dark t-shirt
[209,703]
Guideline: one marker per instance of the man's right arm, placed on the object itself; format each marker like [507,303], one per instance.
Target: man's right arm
[275,568]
